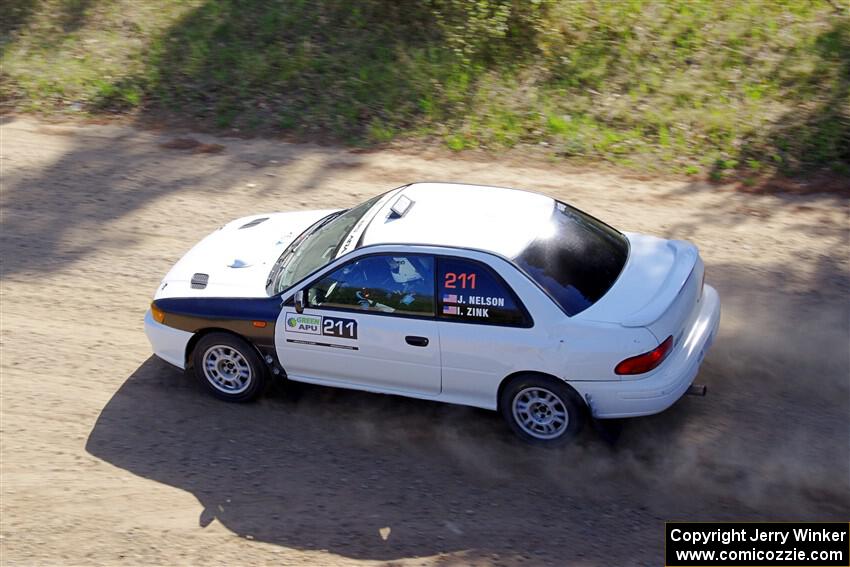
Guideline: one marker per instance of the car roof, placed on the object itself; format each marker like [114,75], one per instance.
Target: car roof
[494,219]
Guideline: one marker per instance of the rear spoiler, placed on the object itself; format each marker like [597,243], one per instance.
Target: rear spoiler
[685,259]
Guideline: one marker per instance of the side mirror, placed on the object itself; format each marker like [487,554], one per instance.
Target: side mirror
[299,301]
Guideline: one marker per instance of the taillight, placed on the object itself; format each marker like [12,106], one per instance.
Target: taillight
[646,361]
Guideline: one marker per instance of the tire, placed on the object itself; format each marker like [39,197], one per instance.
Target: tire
[532,405]
[229,367]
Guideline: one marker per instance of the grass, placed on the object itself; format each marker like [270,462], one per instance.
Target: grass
[700,87]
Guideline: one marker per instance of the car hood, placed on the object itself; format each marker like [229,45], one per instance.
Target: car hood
[235,260]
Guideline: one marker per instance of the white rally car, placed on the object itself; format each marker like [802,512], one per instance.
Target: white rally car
[483,296]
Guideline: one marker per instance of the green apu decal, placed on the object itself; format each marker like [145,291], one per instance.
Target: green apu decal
[304,324]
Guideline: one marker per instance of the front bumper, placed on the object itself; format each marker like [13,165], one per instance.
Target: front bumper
[662,388]
[167,342]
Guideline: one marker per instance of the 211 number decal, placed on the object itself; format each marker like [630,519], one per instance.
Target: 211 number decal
[464,280]
[339,327]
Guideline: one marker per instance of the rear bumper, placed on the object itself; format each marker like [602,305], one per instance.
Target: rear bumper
[661,389]
[167,342]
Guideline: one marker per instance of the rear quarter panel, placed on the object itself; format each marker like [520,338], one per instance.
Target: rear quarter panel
[566,347]
[592,350]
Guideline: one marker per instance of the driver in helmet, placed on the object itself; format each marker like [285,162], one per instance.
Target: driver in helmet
[397,276]
[406,279]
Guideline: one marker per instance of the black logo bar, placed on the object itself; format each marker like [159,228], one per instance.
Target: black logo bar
[762,544]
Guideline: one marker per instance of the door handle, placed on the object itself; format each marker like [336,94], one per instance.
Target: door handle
[416,341]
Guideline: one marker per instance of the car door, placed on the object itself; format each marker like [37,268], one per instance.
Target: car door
[486,333]
[369,324]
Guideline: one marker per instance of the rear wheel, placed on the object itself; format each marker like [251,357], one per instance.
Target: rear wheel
[542,410]
[229,367]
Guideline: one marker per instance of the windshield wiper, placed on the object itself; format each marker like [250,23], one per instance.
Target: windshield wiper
[289,251]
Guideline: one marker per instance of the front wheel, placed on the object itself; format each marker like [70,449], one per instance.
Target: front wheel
[542,410]
[229,367]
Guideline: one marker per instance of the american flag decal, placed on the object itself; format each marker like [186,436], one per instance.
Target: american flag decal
[451,310]
[450,298]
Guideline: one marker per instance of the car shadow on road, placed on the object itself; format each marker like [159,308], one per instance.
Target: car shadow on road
[361,475]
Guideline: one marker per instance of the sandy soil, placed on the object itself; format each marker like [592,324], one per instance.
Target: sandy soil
[111,457]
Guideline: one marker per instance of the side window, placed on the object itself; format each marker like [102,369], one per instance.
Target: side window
[471,292]
[392,283]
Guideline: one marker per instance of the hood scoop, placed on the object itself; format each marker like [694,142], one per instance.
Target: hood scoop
[200,281]
[254,222]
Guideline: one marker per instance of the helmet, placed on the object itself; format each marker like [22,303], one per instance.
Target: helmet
[403,270]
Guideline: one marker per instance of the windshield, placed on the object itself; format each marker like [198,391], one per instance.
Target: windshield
[315,247]
[576,258]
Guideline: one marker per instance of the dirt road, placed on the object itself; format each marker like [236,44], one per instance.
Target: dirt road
[112,457]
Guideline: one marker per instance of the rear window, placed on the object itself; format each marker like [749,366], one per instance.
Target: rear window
[576,259]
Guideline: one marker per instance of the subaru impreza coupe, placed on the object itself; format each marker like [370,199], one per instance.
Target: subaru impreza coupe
[482,296]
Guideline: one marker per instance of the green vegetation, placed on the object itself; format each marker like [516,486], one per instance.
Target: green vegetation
[691,86]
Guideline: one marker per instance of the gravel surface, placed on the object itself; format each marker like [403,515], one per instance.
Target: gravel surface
[110,456]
